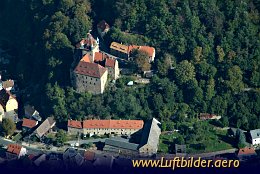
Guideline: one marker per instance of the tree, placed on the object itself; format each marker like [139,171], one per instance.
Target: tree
[241,139]
[180,140]
[184,72]
[235,79]
[221,53]
[141,59]
[8,126]
[224,121]
[61,137]
[164,65]
[197,54]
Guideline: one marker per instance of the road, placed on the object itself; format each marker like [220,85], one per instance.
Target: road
[87,141]
[32,149]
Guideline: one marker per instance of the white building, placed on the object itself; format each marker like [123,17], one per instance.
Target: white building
[255,136]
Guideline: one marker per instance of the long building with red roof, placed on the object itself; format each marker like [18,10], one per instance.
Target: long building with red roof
[101,127]
[124,51]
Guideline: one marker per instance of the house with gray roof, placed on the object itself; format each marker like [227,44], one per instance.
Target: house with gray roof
[150,138]
[72,158]
[45,127]
[31,112]
[121,146]
[255,136]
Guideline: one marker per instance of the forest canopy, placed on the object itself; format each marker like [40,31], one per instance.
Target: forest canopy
[207,57]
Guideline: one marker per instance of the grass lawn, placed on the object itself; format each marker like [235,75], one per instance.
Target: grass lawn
[217,140]
[17,137]
[166,142]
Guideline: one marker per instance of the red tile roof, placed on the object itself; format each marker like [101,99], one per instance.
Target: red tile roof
[74,124]
[89,155]
[14,148]
[102,25]
[86,41]
[147,49]
[98,56]
[90,69]
[29,123]
[113,124]
[110,63]
[247,151]
[206,116]
[96,124]
[85,58]
[31,156]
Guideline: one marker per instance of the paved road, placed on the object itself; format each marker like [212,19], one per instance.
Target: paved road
[210,154]
[87,141]
[32,149]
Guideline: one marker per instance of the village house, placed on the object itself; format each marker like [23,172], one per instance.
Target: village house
[119,50]
[150,138]
[72,158]
[246,153]
[149,50]
[45,127]
[117,127]
[124,51]
[206,116]
[29,124]
[40,159]
[31,112]
[102,28]
[8,106]
[121,146]
[255,136]
[75,127]
[15,151]
[103,162]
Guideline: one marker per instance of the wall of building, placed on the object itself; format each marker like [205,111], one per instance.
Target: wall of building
[147,150]
[1,113]
[103,81]
[23,152]
[120,151]
[74,131]
[116,70]
[11,105]
[256,141]
[84,83]
[109,131]
[119,54]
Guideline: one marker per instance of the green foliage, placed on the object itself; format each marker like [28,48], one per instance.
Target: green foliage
[240,138]
[141,59]
[211,46]
[61,137]
[184,72]
[8,126]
